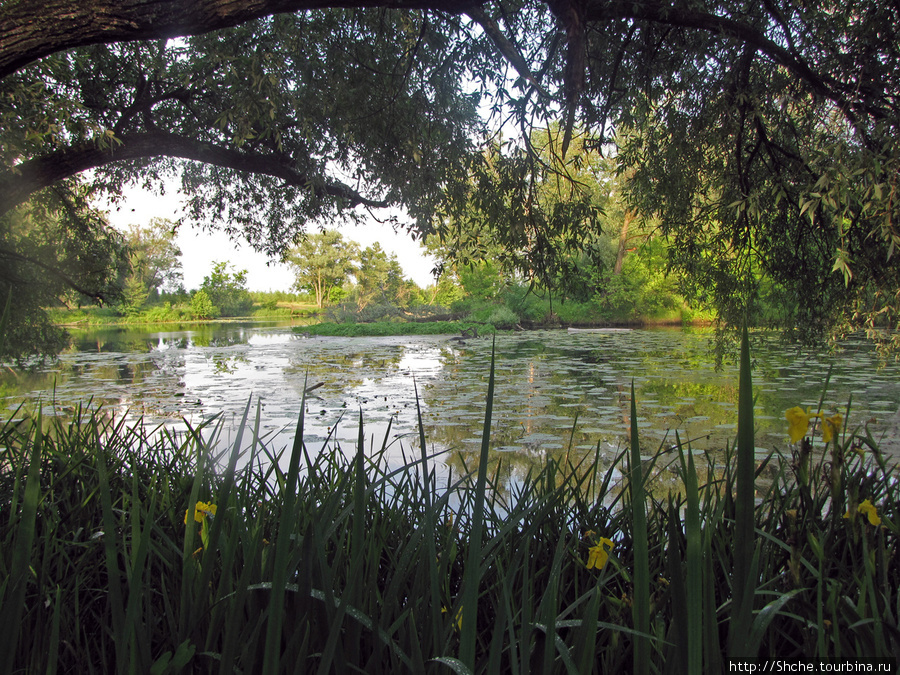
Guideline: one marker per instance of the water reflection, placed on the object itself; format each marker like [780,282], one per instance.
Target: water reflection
[557,394]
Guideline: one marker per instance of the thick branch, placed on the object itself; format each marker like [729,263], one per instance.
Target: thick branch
[32,29]
[18,184]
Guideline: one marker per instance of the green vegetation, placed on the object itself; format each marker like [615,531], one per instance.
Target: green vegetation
[394,328]
[755,148]
[156,306]
[132,550]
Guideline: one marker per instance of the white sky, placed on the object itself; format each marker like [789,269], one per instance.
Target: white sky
[200,249]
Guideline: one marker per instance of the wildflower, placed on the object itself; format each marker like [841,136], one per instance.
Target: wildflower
[831,426]
[867,508]
[201,512]
[798,422]
[598,554]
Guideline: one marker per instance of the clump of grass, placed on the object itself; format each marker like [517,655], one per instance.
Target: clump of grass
[331,562]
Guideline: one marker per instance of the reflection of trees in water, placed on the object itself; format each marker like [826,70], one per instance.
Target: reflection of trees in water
[227,364]
[111,340]
[341,371]
[553,398]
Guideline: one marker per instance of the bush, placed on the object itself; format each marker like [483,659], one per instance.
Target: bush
[526,304]
[202,306]
[503,317]
[227,291]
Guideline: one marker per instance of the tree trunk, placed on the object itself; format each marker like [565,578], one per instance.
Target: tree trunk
[623,239]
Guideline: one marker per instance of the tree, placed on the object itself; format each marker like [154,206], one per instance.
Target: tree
[227,291]
[379,278]
[313,115]
[766,135]
[202,307]
[155,257]
[155,263]
[545,227]
[322,262]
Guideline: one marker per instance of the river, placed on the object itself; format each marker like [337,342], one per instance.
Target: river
[556,392]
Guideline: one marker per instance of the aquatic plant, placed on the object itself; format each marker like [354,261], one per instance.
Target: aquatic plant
[334,562]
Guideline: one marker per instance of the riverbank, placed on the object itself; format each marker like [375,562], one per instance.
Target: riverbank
[466,327]
[167,315]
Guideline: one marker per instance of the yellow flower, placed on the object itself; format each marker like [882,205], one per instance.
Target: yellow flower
[201,512]
[831,426]
[598,555]
[868,508]
[798,423]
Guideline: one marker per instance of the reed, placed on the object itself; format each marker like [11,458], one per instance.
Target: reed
[112,562]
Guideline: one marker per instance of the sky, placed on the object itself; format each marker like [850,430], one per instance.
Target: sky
[200,249]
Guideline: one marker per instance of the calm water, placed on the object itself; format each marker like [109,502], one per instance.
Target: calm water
[555,391]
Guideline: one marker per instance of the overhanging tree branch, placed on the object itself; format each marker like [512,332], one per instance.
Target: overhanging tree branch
[32,29]
[17,184]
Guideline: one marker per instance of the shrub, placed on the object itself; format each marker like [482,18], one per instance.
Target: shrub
[503,317]
[202,306]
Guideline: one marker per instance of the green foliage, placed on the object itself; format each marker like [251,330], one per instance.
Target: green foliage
[379,278]
[481,280]
[372,95]
[526,304]
[392,328]
[227,291]
[154,255]
[447,291]
[323,262]
[762,142]
[55,250]
[503,317]
[154,262]
[202,306]
[134,295]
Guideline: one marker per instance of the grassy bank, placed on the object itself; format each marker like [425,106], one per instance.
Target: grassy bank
[380,328]
[168,314]
[123,552]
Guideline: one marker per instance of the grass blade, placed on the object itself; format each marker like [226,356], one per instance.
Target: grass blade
[743,582]
[13,599]
[472,575]
[641,601]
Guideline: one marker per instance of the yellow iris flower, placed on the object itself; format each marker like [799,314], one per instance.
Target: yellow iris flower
[457,620]
[201,512]
[798,423]
[598,555]
[868,508]
[831,426]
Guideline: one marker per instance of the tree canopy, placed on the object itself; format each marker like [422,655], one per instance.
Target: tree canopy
[322,262]
[762,137]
